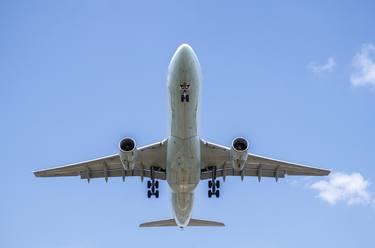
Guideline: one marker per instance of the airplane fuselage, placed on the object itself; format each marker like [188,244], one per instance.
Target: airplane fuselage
[183,149]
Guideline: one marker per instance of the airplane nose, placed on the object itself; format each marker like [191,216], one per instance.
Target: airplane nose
[184,67]
[184,55]
[184,50]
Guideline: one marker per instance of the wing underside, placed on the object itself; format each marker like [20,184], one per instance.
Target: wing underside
[217,163]
[150,163]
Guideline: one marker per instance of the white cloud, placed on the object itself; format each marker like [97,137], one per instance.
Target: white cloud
[321,69]
[349,188]
[364,62]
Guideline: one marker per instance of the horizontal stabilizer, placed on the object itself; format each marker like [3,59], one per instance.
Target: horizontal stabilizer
[172,222]
[195,222]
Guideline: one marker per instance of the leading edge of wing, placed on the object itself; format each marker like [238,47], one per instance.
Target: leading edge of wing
[291,168]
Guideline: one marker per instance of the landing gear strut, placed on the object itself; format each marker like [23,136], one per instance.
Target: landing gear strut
[214,185]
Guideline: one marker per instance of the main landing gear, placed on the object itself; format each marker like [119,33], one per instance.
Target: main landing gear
[153,186]
[214,186]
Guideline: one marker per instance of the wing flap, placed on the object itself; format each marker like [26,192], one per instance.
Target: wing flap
[246,172]
[137,172]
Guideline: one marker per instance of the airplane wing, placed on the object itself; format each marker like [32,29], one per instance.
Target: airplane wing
[150,162]
[216,162]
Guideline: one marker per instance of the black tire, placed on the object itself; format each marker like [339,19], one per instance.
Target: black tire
[182,98]
[157,193]
[210,184]
[209,194]
[149,194]
[217,193]
[187,98]
[217,184]
[157,184]
[148,184]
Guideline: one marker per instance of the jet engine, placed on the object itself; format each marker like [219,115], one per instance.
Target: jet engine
[128,153]
[239,153]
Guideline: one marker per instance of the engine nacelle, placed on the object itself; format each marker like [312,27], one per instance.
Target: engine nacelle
[128,153]
[239,153]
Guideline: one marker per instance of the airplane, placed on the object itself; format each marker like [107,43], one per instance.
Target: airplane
[183,159]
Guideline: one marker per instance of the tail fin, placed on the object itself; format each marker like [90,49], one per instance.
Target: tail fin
[172,222]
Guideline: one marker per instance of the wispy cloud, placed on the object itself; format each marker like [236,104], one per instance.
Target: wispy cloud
[320,69]
[349,188]
[364,63]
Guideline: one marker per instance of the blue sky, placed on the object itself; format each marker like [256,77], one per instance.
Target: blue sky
[296,78]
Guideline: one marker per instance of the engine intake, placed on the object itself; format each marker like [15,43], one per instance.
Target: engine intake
[128,153]
[239,153]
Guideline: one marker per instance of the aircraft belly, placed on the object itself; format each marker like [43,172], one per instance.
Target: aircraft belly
[184,116]
[183,148]
[183,164]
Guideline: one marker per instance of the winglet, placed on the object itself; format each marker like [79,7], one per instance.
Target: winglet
[172,222]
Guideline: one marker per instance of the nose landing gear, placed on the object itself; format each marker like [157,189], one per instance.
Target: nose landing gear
[184,92]
[184,96]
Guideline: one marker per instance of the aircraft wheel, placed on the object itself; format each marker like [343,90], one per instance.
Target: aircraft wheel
[210,184]
[157,184]
[209,194]
[217,193]
[187,98]
[182,98]
[148,184]
[149,194]
[157,193]
[217,184]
